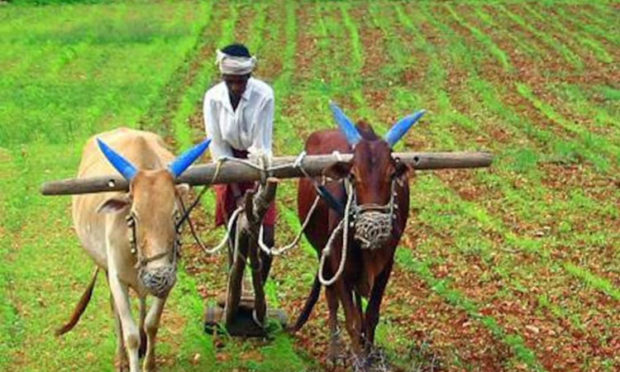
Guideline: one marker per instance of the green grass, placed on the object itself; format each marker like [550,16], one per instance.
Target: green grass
[526,159]
[457,298]
[589,45]
[485,40]
[548,39]
[593,142]
[87,69]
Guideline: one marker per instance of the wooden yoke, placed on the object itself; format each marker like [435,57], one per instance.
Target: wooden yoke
[230,172]
[246,246]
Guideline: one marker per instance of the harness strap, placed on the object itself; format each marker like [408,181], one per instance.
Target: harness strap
[320,189]
[331,201]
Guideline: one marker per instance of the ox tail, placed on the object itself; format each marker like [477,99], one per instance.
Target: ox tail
[80,307]
[309,305]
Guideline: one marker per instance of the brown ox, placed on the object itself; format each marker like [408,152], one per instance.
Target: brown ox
[380,203]
[132,236]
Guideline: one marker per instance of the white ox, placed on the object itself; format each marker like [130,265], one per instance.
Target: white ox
[132,236]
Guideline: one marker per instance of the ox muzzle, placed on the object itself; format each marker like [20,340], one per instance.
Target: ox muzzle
[373,223]
[158,281]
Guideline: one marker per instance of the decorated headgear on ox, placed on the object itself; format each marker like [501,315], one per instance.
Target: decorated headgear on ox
[398,130]
[176,168]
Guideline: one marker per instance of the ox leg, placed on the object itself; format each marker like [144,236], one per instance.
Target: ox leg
[142,349]
[131,334]
[335,352]
[151,326]
[353,320]
[122,363]
[374,304]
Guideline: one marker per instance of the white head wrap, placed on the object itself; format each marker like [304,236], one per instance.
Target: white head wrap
[233,65]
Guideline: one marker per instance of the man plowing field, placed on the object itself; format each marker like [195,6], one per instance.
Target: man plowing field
[238,115]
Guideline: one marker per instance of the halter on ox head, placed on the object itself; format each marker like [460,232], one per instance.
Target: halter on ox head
[154,214]
[373,173]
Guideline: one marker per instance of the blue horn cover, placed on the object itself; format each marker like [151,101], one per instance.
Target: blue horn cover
[182,162]
[122,165]
[401,127]
[346,125]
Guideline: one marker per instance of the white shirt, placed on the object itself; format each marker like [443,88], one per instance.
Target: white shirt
[248,128]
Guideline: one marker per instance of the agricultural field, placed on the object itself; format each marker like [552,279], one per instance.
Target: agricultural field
[511,268]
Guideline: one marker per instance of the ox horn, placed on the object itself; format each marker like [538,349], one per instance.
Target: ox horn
[346,125]
[182,162]
[401,127]
[122,165]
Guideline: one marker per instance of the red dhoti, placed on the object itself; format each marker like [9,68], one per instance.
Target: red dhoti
[225,199]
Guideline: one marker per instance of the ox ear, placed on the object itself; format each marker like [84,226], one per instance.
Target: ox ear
[338,170]
[114,204]
[401,169]
[346,125]
[183,161]
[399,129]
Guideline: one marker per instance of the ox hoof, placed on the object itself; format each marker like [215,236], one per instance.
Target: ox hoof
[149,367]
[121,364]
[336,355]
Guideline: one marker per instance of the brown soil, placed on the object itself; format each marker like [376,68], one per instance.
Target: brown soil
[509,314]
[414,311]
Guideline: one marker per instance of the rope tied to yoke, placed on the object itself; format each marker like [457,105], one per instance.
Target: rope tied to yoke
[187,211]
[298,163]
[321,192]
[265,169]
[344,227]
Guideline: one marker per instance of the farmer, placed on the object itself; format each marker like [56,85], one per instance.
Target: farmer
[238,114]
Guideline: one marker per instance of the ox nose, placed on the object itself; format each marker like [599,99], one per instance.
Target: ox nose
[160,280]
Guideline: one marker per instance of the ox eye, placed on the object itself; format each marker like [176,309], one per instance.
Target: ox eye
[353,177]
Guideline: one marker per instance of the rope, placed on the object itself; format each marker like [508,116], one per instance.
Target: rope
[222,243]
[345,238]
[187,211]
[264,170]
[278,251]
[262,166]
